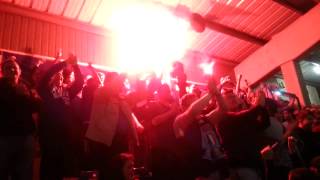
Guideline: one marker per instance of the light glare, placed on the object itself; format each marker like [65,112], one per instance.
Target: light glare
[207,68]
[148,38]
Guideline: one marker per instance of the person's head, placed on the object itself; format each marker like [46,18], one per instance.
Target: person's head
[301,174]
[232,101]
[141,90]
[114,82]
[164,93]
[153,85]
[11,69]
[57,79]
[288,115]
[197,91]
[305,119]
[177,69]
[68,75]
[187,100]
[227,84]
[93,83]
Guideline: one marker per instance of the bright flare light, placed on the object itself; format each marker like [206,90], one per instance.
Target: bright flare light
[148,38]
[207,68]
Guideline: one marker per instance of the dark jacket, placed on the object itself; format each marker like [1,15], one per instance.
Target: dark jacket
[239,134]
[56,117]
[16,107]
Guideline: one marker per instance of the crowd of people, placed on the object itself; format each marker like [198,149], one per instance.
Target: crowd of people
[93,124]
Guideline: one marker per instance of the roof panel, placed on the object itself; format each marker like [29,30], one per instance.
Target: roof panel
[201,7]
[256,12]
[213,42]
[282,24]
[228,49]
[200,39]
[260,18]
[247,51]
[7,0]
[250,15]
[57,7]
[264,10]
[230,46]
[103,13]
[72,9]
[218,43]
[170,2]
[271,23]
[24,3]
[40,5]
[88,10]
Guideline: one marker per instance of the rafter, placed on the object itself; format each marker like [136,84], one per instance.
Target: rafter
[235,33]
[300,7]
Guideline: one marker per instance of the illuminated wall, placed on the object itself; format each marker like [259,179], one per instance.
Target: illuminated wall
[286,46]
[18,32]
[45,34]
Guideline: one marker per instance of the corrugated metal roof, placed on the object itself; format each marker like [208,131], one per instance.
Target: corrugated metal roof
[40,5]
[259,18]
[72,9]
[88,10]
[57,7]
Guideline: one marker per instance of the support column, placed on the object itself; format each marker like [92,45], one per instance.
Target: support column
[293,81]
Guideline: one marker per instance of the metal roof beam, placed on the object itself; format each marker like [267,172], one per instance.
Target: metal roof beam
[235,33]
[299,6]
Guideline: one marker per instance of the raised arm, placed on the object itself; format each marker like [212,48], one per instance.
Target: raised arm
[238,84]
[44,85]
[257,115]
[94,73]
[221,106]
[78,82]
[182,122]
[172,113]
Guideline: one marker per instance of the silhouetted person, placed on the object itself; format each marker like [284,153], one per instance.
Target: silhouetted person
[111,127]
[55,124]
[17,104]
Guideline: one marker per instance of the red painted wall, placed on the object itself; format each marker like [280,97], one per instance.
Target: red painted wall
[45,38]
[21,29]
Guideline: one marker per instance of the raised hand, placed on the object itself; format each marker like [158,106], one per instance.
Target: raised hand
[267,153]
